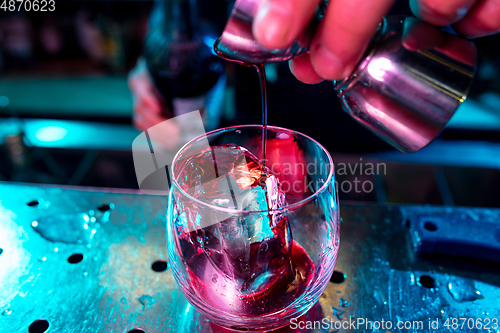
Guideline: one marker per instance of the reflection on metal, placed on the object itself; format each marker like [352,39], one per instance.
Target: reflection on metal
[446,63]
[115,289]
[470,232]
[66,228]
[432,83]
[412,79]
[237,40]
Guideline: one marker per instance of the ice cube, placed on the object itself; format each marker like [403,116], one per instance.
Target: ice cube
[240,245]
[231,177]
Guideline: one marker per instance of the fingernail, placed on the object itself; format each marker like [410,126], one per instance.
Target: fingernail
[273,25]
[327,64]
[431,15]
[461,13]
[414,8]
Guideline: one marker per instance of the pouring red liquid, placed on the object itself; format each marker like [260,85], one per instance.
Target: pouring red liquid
[263,91]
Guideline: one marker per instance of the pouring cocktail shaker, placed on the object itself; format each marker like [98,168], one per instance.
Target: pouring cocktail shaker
[407,86]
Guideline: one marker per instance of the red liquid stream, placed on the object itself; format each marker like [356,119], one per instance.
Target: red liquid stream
[263,91]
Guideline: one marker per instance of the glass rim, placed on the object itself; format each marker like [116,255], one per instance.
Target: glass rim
[287,207]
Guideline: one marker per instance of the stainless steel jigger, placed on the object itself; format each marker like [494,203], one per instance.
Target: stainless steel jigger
[237,39]
[407,86]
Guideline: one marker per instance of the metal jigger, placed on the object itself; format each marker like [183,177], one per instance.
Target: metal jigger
[407,86]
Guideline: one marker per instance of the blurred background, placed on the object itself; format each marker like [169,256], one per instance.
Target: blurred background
[66,112]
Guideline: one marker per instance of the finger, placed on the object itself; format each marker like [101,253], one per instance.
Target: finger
[144,92]
[152,103]
[138,122]
[141,119]
[343,35]
[303,70]
[166,133]
[441,12]
[418,35]
[482,20]
[170,137]
[149,115]
[279,22]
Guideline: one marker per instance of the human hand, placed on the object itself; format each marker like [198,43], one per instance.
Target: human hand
[348,26]
[149,108]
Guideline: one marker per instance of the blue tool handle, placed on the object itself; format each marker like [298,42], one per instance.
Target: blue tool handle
[455,236]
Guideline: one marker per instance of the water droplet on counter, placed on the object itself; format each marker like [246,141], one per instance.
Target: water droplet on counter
[146,301]
[103,212]
[6,312]
[412,279]
[338,313]
[344,303]
[463,290]
[66,228]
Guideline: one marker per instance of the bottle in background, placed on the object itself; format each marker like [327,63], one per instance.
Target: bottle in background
[179,56]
